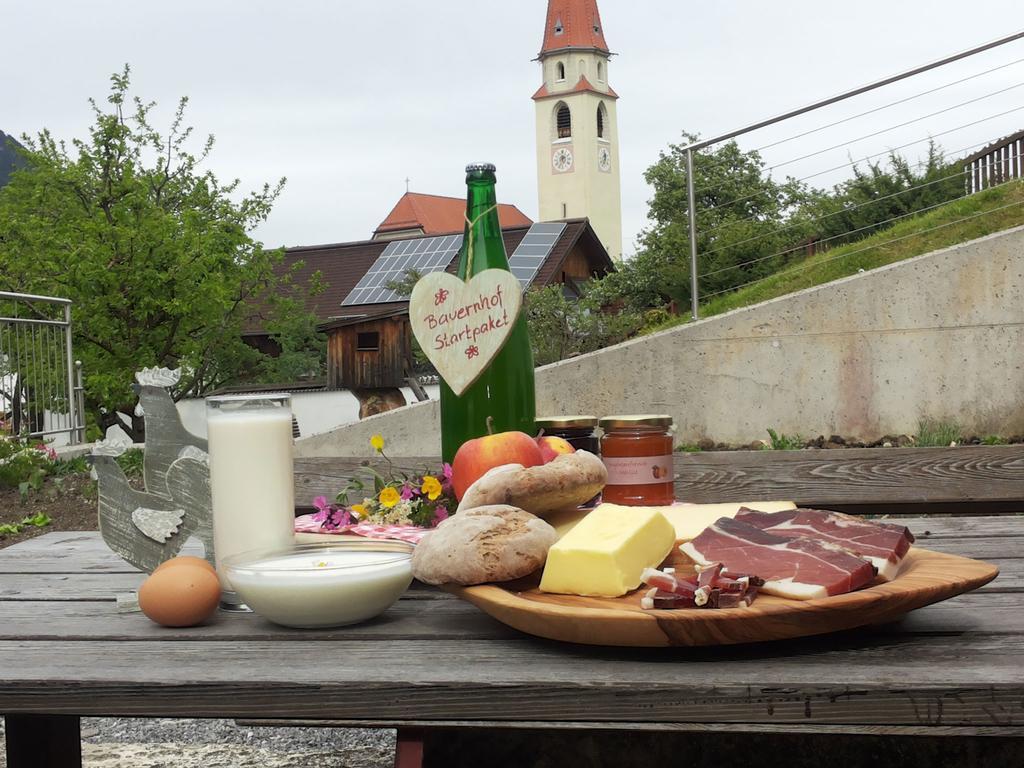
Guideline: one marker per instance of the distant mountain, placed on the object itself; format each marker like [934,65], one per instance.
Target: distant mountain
[9,160]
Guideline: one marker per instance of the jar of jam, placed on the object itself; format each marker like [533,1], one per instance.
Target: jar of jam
[637,451]
[578,431]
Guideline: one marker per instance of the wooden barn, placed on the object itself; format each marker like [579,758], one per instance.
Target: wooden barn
[369,337]
[369,353]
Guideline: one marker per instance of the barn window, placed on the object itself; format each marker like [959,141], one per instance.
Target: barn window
[563,121]
[368,342]
[560,70]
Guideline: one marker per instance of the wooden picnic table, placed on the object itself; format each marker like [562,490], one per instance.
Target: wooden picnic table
[434,662]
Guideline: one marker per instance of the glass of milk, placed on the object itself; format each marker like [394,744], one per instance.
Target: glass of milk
[251,478]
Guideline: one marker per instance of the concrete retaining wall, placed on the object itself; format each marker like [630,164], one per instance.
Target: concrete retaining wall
[938,336]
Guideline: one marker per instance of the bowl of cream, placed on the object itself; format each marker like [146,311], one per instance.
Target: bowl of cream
[315,586]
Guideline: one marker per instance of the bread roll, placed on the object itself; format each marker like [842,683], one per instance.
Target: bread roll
[492,543]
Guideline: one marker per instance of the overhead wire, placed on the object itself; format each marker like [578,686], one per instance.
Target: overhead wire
[867,158]
[887,106]
[849,209]
[894,127]
[873,246]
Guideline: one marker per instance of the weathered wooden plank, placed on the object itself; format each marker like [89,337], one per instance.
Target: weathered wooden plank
[854,678]
[715,728]
[854,476]
[929,528]
[442,620]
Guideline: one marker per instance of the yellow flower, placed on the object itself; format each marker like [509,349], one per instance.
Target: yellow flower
[377,441]
[359,509]
[389,497]
[431,487]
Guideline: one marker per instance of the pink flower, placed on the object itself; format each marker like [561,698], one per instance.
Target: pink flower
[407,492]
[339,518]
[440,515]
[320,502]
[446,470]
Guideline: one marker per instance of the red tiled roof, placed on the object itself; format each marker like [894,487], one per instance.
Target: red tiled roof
[580,25]
[582,85]
[437,215]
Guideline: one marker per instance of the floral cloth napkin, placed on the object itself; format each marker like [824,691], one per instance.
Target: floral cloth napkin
[410,533]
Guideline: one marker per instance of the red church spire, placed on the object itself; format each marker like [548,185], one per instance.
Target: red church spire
[573,24]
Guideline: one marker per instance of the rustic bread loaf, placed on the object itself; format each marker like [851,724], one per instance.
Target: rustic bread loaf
[492,543]
[563,483]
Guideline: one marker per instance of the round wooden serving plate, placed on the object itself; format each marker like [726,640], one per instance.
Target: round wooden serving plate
[926,577]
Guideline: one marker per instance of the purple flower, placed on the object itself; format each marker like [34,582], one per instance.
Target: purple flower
[320,502]
[339,518]
[407,492]
[440,515]
[446,470]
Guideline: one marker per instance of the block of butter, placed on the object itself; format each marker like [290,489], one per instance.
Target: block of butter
[688,519]
[605,554]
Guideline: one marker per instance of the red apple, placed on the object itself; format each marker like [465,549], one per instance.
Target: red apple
[552,447]
[476,457]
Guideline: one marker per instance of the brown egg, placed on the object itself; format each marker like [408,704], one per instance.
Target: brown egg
[185,560]
[182,596]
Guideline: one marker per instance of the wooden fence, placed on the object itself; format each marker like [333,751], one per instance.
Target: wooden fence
[995,164]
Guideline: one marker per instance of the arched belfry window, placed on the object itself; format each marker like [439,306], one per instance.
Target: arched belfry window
[563,121]
[560,71]
[600,71]
[602,121]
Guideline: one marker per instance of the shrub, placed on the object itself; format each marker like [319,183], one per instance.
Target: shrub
[23,463]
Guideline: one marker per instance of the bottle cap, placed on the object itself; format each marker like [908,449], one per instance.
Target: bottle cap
[566,422]
[480,167]
[627,422]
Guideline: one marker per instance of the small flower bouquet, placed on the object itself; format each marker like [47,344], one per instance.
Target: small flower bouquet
[394,499]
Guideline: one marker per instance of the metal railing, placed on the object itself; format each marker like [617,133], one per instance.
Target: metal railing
[986,169]
[41,392]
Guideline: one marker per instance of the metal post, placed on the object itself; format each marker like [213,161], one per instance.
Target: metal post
[69,361]
[691,196]
[80,403]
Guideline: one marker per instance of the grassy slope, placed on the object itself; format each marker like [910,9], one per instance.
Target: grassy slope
[877,250]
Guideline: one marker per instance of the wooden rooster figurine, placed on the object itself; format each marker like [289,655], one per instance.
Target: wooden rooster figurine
[151,526]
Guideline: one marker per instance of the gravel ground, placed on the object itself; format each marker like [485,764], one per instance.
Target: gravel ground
[166,743]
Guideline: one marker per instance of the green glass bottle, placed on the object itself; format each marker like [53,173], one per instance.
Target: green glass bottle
[505,390]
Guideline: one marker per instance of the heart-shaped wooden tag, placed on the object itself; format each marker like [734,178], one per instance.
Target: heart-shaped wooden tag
[460,325]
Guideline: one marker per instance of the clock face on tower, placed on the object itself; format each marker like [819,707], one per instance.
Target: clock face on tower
[604,159]
[561,160]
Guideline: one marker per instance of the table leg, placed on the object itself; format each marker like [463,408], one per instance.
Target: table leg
[409,752]
[43,741]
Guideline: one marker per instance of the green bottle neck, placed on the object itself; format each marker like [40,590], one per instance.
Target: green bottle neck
[483,227]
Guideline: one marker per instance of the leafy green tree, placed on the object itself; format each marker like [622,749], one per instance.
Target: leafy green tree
[561,327]
[155,253]
[740,210]
[879,193]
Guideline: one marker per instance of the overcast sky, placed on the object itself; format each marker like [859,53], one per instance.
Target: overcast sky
[346,99]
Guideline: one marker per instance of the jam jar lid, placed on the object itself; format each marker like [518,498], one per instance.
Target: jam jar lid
[628,422]
[566,422]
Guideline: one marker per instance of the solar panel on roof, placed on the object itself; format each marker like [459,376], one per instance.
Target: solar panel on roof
[434,254]
[424,255]
[528,258]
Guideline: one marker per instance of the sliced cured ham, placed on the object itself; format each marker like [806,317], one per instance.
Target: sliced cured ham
[884,544]
[797,568]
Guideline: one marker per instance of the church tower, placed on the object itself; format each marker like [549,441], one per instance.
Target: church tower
[577,131]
